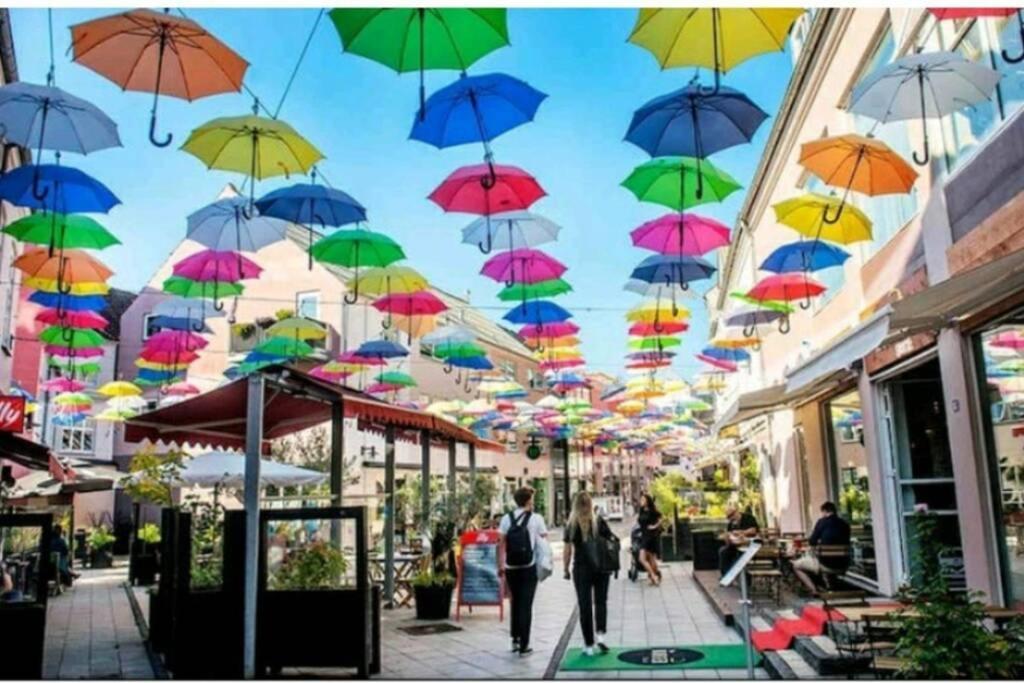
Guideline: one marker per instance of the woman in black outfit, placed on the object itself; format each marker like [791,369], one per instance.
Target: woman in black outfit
[649,520]
[591,583]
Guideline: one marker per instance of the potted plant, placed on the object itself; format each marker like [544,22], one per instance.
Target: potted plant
[146,554]
[100,541]
[433,592]
[317,566]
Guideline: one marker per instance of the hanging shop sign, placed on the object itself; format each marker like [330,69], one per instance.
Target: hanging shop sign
[12,414]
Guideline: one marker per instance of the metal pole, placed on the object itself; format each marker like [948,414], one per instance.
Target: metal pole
[747,633]
[566,484]
[452,477]
[389,515]
[253,448]
[425,480]
[472,464]
[337,452]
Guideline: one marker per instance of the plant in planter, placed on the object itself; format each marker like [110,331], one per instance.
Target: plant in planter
[207,565]
[100,541]
[146,554]
[317,566]
[433,592]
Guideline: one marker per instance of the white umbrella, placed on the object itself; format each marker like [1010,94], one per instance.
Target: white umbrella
[924,85]
[509,230]
[227,469]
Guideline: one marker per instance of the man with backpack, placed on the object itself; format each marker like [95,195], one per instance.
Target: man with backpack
[522,530]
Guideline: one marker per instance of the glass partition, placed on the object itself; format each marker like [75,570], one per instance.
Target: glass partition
[310,554]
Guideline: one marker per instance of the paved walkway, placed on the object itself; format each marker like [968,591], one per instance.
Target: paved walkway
[91,631]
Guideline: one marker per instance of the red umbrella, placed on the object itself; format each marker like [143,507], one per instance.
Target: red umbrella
[648,364]
[416,303]
[681,235]
[651,330]
[175,340]
[523,265]
[549,330]
[787,287]
[944,13]
[79,320]
[470,189]
[353,358]
[168,357]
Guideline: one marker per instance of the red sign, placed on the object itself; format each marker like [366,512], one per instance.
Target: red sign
[12,414]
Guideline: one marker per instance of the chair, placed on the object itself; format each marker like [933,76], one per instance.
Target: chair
[880,644]
[765,573]
[831,557]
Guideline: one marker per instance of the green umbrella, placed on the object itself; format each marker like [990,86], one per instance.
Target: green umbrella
[648,343]
[780,306]
[193,289]
[459,350]
[397,378]
[355,248]
[418,38]
[285,348]
[61,231]
[538,290]
[672,182]
[71,338]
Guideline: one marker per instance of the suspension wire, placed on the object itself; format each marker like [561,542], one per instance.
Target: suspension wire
[298,63]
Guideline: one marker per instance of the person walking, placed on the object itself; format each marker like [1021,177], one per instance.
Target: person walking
[649,520]
[582,551]
[521,531]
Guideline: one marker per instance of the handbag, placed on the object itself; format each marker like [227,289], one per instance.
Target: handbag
[608,549]
[543,559]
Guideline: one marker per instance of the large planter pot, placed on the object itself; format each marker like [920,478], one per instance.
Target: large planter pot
[101,559]
[22,628]
[146,568]
[433,602]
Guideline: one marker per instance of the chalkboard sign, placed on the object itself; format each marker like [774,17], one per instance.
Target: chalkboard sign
[480,579]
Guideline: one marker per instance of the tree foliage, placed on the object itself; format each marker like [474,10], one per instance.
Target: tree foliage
[152,476]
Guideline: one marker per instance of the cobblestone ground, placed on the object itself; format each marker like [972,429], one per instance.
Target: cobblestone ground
[91,631]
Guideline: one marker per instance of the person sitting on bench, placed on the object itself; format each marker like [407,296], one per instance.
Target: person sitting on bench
[829,530]
[741,528]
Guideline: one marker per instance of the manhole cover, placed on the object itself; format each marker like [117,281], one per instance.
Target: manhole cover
[660,656]
[429,629]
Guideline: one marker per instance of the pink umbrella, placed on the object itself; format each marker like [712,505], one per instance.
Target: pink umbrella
[175,340]
[82,320]
[61,384]
[417,303]
[1008,340]
[560,364]
[681,235]
[725,365]
[320,373]
[354,358]
[217,266]
[522,265]
[182,389]
[383,388]
[86,352]
[549,330]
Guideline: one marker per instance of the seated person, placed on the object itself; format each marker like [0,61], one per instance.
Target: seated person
[830,529]
[739,530]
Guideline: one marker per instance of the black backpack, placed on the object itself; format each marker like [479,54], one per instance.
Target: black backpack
[518,548]
[608,550]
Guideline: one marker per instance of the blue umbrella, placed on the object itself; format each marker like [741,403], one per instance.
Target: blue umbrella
[163,376]
[307,203]
[804,256]
[228,225]
[381,348]
[471,363]
[46,117]
[658,290]
[732,355]
[673,270]
[261,357]
[166,322]
[690,122]
[537,313]
[68,302]
[56,188]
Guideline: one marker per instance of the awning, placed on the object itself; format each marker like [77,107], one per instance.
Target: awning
[841,354]
[26,453]
[753,404]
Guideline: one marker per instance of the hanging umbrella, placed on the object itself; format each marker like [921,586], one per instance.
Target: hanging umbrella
[191,289]
[654,343]
[1008,340]
[642,329]
[544,289]
[355,248]
[310,204]
[187,309]
[750,317]
[681,234]
[472,189]
[61,231]
[64,303]
[303,329]
[174,358]
[527,266]
[86,320]
[563,342]
[955,13]
[680,36]
[415,325]
[679,270]
[659,290]
[731,355]
[228,225]
[657,310]
[417,39]
[283,347]
[672,182]
[780,306]
[806,214]
[859,164]
[115,389]
[734,343]
[808,256]
[211,265]
[45,117]
[149,51]
[255,146]
[49,187]
[692,123]
[56,286]
[787,287]
[510,230]
[62,384]
[925,85]
[382,348]
[175,339]
[550,330]
[71,338]
[416,303]
[182,389]
[395,378]
[389,280]
[720,364]
[449,334]
[353,358]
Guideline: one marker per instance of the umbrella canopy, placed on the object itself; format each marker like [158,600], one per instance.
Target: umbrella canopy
[46,117]
[382,348]
[858,163]
[471,363]
[61,231]
[182,286]
[672,182]
[227,469]
[750,316]
[806,214]
[723,365]
[64,303]
[355,248]
[85,320]
[297,328]
[452,334]
[657,310]
[50,187]
[925,85]
[644,329]
[537,312]
[787,287]
[673,269]
[474,189]
[155,52]
[229,225]
[211,265]
[283,347]
[510,230]
[353,358]
[805,256]
[62,384]
[415,325]
[182,389]
[654,343]
[456,349]
[186,309]
[544,289]
[255,146]
[168,357]
[311,204]
[548,330]
[71,338]
[67,267]
[527,266]
[395,378]
[185,340]
[416,303]
[733,355]
[476,109]
[681,234]
[115,389]
[56,286]
[389,280]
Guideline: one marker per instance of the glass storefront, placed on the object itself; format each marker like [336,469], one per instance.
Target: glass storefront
[848,473]
[999,352]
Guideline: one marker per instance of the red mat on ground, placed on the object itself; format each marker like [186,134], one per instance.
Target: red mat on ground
[780,636]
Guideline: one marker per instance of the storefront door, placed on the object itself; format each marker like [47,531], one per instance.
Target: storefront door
[921,466]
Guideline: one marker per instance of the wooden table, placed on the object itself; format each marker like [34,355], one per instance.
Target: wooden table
[859,614]
[405,570]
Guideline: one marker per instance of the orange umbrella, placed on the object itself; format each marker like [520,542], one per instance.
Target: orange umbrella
[155,52]
[68,267]
[858,163]
[414,325]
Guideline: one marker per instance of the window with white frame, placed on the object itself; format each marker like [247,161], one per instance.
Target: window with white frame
[77,439]
[307,305]
[148,329]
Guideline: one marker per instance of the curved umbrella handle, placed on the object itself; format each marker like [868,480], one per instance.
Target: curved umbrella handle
[490,244]
[806,303]
[447,368]
[387,322]
[491,179]
[466,387]
[40,193]
[353,296]
[756,346]
[218,305]
[67,334]
[748,330]
[152,132]
[63,288]
[784,325]
[832,220]
[1020,57]
[196,325]
[458,377]
[540,349]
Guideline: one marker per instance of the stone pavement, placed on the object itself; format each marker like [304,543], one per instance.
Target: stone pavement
[91,631]
[675,613]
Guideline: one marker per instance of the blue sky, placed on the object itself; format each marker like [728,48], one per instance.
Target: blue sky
[358,113]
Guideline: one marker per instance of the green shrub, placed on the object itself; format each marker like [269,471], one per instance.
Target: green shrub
[317,566]
[100,538]
[149,533]
[426,578]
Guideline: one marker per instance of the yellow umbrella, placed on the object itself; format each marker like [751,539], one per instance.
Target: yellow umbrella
[388,280]
[714,38]
[709,383]
[114,389]
[660,310]
[303,329]
[630,407]
[558,353]
[806,215]
[561,342]
[76,288]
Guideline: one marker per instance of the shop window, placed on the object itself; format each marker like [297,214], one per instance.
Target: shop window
[75,439]
[148,328]
[307,305]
